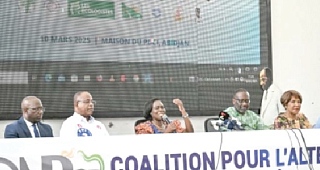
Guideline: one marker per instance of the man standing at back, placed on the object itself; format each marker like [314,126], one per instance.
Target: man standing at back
[29,125]
[240,111]
[81,123]
[270,103]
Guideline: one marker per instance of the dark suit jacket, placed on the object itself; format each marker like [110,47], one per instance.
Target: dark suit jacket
[19,129]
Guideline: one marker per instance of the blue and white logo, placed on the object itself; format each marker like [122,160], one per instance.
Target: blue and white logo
[156,12]
[47,77]
[84,132]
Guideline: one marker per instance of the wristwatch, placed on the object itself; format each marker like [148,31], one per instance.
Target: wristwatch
[185,116]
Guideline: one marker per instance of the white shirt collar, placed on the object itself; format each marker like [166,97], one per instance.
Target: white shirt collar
[29,124]
[81,118]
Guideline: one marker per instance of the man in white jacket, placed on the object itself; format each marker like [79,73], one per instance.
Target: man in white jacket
[270,103]
[82,123]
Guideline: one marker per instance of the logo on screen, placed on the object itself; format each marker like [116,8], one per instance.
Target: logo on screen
[156,12]
[193,79]
[197,15]
[123,78]
[136,78]
[52,5]
[34,77]
[27,6]
[111,79]
[91,9]
[47,77]
[86,78]
[147,78]
[61,78]
[178,14]
[74,78]
[131,11]
[99,78]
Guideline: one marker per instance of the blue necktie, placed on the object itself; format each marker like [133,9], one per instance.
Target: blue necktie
[35,130]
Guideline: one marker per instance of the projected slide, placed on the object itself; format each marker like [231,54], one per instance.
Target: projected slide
[126,52]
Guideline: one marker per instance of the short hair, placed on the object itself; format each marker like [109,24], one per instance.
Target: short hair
[286,97]
[240,90]
[26,99]
[148,108]
[75,97]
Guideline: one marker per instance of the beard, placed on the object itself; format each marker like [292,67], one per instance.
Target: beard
[241,109]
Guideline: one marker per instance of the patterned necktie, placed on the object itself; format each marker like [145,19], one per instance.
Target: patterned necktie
[35,130]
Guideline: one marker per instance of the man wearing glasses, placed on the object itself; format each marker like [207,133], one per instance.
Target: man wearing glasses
[240,111]
[81,123]
[29,125]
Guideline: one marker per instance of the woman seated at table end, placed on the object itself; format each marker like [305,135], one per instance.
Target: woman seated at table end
[292,118]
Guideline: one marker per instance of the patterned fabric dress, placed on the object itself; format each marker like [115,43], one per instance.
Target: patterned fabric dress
[284,122]
[149,128]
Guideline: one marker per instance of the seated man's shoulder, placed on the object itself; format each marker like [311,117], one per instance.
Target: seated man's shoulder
[230,110]
[45,124]
[70,118]
[97,122]
[252,112]
[14,123]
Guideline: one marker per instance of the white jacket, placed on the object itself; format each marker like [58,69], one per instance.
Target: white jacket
[271,105]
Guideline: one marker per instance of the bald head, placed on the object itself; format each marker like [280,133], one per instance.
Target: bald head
[27,100]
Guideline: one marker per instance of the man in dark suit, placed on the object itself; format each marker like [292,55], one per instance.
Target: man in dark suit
[29,125]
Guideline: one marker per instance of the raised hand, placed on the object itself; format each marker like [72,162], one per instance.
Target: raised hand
[179,103]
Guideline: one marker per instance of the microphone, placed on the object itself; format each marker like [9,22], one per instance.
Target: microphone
[224,115]
[229,122]
[165,118]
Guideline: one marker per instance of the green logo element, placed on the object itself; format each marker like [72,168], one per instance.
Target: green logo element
[130,12]
[94,157]
[91,9]
[27,5]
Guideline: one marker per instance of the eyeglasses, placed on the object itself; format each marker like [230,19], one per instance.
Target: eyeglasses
[243,100]
[37,109]
[87,101]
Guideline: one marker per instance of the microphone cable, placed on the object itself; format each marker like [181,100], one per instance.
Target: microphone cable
[291,144]
[221,141]
[305,147]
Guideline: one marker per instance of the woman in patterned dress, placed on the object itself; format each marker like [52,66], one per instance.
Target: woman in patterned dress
[292,118]
[154,123]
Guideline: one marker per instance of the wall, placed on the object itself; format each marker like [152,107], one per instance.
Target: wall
[296,50]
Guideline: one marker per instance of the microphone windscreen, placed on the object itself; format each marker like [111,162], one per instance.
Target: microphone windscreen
[165,118]
[224,115]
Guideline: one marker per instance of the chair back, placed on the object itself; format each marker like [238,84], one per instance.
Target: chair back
[210,125]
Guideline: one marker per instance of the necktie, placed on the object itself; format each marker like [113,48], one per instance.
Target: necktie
[35,130]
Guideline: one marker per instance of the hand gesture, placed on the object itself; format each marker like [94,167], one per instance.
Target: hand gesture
[171,127]
[179,103]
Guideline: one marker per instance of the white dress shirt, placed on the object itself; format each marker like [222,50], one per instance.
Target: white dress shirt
[78,126]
